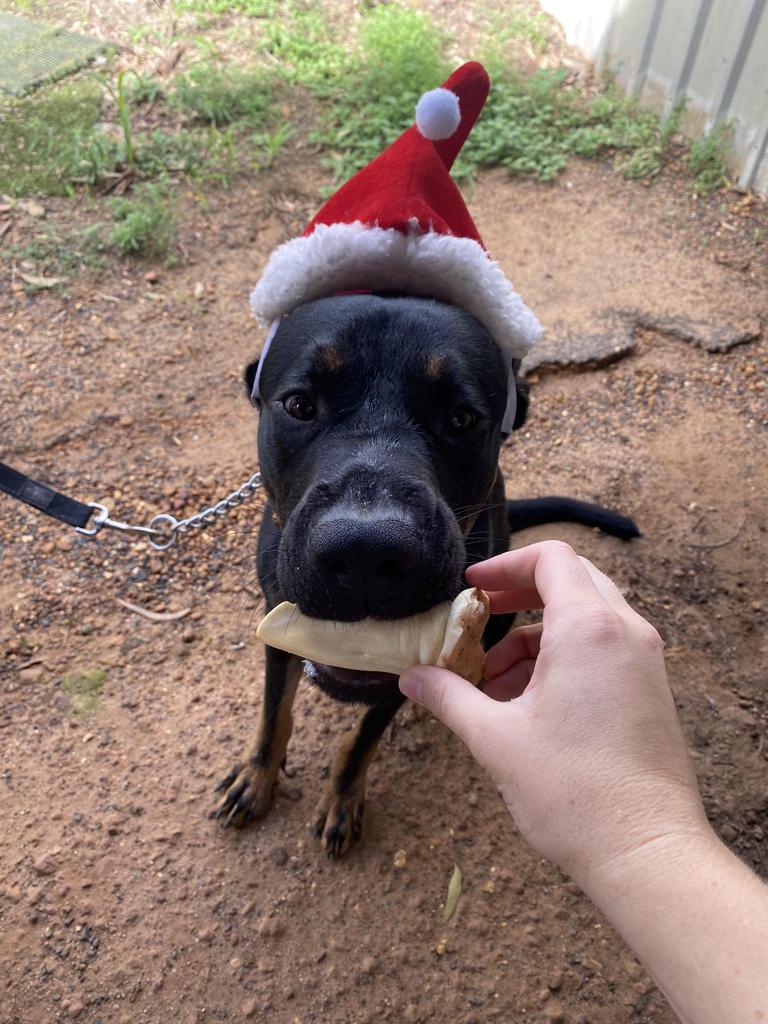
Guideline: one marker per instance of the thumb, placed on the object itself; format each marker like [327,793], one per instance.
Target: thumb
[457,703]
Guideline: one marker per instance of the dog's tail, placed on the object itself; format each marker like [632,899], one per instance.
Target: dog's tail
[554,509]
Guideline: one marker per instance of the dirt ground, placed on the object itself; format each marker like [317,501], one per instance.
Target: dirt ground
[120,901]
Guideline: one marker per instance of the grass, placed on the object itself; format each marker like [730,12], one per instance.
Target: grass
[62,255]
[706,159]
[84,689]
[356,85]
[145,221]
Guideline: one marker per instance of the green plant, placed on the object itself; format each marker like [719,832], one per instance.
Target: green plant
[252,8]
[271,143]
[49,140]
[83,689]
[65,254]
[371,96]
[145,222]
[144,88]
[222,96]
[706,159]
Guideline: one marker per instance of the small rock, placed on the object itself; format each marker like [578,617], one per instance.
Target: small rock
[401,860]
[199,290]
[250,1008]
[151,277]
[32,208]
[270,927]
[442,947]
[45,864]
[729,834]
[278,855]
[189,636]
[553,1012]
[369,965]
[76,1007]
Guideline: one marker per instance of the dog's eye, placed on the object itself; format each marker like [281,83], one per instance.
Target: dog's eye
[301,407]
[463,419]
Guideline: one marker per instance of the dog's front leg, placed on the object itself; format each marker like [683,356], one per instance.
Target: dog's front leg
[248,787]
[339,816]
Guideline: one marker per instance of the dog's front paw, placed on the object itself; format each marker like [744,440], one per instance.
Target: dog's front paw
[338,822]
[247,795]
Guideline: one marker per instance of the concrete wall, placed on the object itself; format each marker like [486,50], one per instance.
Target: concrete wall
[712,52]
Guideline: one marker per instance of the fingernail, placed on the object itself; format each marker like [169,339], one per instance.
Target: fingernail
[411,686]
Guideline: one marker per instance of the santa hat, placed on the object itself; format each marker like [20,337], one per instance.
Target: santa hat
[401,224]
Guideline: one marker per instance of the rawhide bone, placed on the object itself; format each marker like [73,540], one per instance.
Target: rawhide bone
[448,635]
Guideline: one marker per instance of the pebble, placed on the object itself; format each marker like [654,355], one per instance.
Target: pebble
[553,1012]
[369,965]
[250,1008]
[401,860]
[278,855]
[270,927]
[45,864]
[729,834]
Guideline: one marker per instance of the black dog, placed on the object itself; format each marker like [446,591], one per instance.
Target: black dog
[379,437]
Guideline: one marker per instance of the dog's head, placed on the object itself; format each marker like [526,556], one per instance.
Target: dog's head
[379,434]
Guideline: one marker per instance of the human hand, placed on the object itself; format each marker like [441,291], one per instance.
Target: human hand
[577,725]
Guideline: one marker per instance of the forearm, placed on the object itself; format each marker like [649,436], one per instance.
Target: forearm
[698,919]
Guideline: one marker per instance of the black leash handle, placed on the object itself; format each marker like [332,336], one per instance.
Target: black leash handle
[45,498]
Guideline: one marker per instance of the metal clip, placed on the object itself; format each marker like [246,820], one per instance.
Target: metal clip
[102,519]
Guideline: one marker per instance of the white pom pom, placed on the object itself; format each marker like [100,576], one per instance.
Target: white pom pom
[437,114]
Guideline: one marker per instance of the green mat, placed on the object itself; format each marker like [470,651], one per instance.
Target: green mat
[31,54]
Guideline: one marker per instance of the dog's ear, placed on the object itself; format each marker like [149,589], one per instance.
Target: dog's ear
[523,389]
[249,377]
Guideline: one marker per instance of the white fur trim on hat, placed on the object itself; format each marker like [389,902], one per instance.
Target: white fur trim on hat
[438,114]
[347,257]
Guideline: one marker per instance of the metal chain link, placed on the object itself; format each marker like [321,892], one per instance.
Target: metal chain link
[168,527]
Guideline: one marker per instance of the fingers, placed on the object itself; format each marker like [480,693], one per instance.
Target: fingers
[549,573]
[450,698]
[605,587]
[511,683]
[520,644]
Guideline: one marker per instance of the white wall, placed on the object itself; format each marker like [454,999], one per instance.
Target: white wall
[712,52]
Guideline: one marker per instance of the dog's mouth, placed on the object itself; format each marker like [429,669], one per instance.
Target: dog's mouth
[351,685]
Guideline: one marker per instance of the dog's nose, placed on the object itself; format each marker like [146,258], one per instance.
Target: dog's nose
[371,557]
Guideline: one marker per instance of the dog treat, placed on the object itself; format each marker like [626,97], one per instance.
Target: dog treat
[448,635]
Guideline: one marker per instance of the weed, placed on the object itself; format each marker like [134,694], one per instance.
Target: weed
[512,26]
[371,100]
[145,222]
[83,689]
[62,254]
[252,8]
[706,159]
[144,88]
[51,140]
[222,96]
[271,143]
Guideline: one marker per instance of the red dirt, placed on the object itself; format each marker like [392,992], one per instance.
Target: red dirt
[120,902]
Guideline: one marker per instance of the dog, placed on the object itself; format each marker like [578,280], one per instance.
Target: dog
[379,438]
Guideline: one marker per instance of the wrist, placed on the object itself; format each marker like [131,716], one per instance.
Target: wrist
[660,861]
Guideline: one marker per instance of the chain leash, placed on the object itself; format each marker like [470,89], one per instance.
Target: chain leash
[163,530]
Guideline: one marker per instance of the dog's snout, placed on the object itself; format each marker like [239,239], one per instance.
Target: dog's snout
[371,557]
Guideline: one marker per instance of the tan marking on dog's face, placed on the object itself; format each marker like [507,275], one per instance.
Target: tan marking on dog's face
[329,359]
[434,366]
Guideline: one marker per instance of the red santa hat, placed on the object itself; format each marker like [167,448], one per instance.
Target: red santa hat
[401,224]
